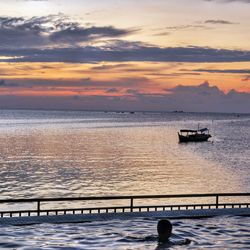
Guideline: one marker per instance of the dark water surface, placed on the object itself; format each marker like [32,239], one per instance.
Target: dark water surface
[58,154]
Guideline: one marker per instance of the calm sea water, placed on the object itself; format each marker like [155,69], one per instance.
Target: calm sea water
[58,154]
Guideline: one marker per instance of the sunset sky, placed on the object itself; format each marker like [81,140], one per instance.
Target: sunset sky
[191,55]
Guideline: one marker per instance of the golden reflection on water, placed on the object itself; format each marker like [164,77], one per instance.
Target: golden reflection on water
[53,154]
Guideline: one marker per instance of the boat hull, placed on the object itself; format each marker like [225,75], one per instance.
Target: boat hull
[194,138]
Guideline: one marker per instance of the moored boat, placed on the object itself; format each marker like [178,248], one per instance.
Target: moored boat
[200,135]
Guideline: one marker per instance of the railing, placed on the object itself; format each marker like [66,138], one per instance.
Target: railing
[123,209]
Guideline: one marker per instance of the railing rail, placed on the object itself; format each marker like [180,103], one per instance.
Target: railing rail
[131,207]
[91,198]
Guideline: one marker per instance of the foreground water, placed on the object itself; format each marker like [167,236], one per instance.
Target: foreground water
[212,233]
[48,154]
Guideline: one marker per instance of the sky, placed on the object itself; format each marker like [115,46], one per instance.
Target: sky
[149,55]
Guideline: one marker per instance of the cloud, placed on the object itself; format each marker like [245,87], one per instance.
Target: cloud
[76,34]
[218,21]
[51,31]
[162,34]
[17,31]
[202,89]
[210,98]
[204,25]
[2,82]
[125,53]
[112,90]
[223,71]
[133,92]
[111,67]
[186,27]
[246,78]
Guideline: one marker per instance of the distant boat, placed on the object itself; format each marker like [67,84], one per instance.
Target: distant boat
[187,135]
[178,111]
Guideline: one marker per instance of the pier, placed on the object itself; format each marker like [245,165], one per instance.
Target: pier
[172,206]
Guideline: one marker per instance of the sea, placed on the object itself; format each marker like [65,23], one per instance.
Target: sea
[80,153]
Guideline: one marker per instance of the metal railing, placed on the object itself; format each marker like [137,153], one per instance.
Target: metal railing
[123,209]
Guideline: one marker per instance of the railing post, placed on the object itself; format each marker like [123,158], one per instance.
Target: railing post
[131,204]
[38,208]
[217,201]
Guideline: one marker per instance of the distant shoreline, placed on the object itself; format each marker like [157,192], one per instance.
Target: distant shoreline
[123,111]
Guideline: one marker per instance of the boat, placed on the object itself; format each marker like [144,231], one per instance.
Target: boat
[200,135]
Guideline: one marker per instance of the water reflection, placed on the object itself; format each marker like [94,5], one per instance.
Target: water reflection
[64,154]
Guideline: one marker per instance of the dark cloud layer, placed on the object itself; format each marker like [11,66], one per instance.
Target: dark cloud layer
[44,84]
[2,82]
[51,31]
[202,98]
[140,52]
